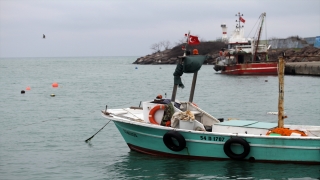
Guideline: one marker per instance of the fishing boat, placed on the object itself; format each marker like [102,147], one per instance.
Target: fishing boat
[245,56]
[181,129]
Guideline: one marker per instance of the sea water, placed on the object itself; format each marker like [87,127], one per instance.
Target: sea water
[43,136]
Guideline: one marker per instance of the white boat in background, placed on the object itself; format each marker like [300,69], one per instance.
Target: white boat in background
[245,56]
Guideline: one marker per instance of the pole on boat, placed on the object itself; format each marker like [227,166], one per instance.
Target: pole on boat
[174,92]
[281,93]
[175,86]
[193,86]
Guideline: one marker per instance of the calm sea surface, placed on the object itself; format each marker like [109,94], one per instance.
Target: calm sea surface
[43,137]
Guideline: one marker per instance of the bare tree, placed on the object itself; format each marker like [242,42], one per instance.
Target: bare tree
[156,47]
[166,44]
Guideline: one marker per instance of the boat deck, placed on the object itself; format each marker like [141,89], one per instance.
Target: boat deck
[250,124]
[244,127]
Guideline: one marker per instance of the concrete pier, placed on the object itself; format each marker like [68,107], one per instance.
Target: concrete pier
[303,68]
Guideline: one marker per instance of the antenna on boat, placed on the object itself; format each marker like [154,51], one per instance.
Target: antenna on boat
[185,49]
[240,20]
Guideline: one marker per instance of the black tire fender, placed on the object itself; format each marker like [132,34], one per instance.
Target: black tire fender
[168,141]
[236,140]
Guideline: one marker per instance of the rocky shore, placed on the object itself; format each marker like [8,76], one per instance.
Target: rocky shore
[211,49]
[169,56]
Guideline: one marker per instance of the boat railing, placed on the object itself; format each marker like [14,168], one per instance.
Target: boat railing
[262,47]
[243,46]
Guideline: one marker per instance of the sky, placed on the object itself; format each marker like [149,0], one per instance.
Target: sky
[83,28]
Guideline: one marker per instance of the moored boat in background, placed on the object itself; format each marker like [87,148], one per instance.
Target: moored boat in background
[245,56]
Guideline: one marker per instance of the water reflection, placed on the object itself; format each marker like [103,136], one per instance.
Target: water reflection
[139,166]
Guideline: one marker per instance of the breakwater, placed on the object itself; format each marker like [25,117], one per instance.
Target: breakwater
[303,68]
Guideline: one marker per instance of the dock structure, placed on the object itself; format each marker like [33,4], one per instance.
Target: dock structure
[303,68]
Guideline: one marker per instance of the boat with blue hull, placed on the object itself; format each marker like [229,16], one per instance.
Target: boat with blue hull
[170,128]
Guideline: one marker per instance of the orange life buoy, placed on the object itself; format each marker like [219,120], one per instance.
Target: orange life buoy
[153,112]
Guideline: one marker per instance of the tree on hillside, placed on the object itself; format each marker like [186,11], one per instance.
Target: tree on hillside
[161,45]
[156,47]
[165,44]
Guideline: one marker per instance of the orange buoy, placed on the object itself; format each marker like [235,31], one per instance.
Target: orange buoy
[55,84]
[195,52]
[28,88]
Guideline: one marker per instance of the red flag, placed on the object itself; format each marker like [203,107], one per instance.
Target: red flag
[193,40]
[242,20]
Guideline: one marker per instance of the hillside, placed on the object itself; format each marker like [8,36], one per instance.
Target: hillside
[306,54]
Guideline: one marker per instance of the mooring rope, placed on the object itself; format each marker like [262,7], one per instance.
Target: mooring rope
[97,132]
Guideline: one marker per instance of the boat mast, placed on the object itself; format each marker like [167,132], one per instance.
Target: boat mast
[174,92]
[175,87]
[239,15]
[238,27]
[257,42]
